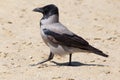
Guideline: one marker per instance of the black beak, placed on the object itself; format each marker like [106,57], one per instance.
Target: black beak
[38,10]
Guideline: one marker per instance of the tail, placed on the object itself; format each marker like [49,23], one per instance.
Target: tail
[97,51]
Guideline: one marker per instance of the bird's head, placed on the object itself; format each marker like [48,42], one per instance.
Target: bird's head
[47,10]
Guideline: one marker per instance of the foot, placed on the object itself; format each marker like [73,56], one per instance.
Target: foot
[49,58]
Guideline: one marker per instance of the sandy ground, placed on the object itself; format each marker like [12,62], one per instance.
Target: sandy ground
[98,21]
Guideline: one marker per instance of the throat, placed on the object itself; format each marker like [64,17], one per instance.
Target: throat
[50,20]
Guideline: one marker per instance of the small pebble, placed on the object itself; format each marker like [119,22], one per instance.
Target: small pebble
[12,58]
[31,57]
[21,16]
[12,63]
[33,60]
[108,72]
[23,10]
[24,43]
[97,38]
[5,55]
[9,22]
[56,77]
[18,66]
[112,38]
[14,43]
[92,61]
[29,43]
[7,47]
[104,60]
[95,19]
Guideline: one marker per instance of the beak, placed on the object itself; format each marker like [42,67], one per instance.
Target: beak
[38,10]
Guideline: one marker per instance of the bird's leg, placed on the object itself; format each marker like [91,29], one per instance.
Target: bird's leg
[70,58]
[49,58]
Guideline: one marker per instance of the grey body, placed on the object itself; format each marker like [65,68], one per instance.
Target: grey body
[56,27]
[58,38]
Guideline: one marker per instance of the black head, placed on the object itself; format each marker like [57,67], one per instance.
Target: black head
[47,10]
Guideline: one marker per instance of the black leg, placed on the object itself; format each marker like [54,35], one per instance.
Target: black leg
[49,58]
[70,58]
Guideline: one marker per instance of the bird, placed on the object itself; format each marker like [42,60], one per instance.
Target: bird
[59,38]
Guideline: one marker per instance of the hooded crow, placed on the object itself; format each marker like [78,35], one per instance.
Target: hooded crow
[58,38]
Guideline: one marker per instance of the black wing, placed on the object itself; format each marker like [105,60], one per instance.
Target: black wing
[73,41]
[68,40]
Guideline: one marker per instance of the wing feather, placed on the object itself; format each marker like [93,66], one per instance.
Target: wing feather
[67,40]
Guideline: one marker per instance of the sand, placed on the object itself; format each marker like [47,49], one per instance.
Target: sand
[97,21]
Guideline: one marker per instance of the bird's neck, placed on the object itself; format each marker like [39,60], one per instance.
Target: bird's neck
[50,20]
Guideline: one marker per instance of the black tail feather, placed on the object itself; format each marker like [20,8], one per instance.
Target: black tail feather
[97,51]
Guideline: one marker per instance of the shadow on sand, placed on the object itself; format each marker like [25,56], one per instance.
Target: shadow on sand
[74,64]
